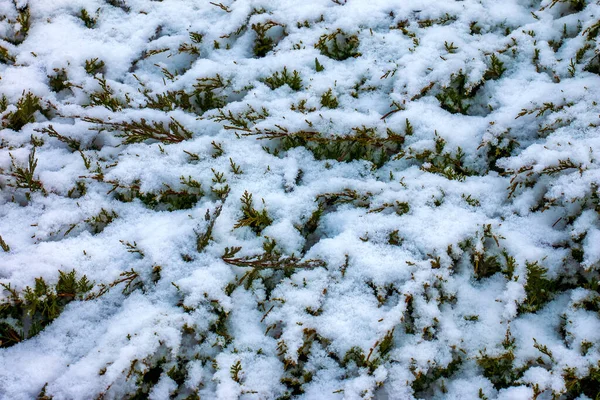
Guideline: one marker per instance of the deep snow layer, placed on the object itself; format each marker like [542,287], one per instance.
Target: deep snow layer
[410,271]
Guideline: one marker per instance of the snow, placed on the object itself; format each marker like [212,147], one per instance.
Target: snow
[531,147]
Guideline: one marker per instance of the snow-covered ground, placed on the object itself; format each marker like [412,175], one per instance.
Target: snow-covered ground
[385,199]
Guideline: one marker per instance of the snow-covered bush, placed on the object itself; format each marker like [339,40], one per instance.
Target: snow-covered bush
[299,200]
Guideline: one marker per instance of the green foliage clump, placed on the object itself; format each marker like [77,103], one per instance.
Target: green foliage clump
[295,372]
[27,106]
[539,288]
[499,147]
[206,93]
[5,56]
[263,43]
[167,199]
[338,45]
[576,5]
[435,375]
[59,80]
[454,98]
[450,47]
[364,144]
[588,385]
[88,20]
[105,97]
[487,266]
[101,220]
[495,70]
[24,314]
[5,247]
[277,80]
[196,37]
[204,238]
[242,121]
[377,355]
[328,100]
[256,220]
[94,66]
[24,23]
[15,30]
[486,261]
[443,20]
[443,163]
[3,103]
[142,131]
[119,4]
[205,96]
[318,66]
[485,253]
[24,175]
[400,207]
[169,100]
[270,260]
[500,369]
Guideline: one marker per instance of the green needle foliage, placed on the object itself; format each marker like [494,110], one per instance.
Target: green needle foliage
[5,57]
[377,355]
[487,257]
[318,66]
[3,103]
[206,92]
[501,146]
[24,176]
[59,80]
[437,161]
[271,259]
[578,385]
[500,369]
[434,376]
[273,274]
[219,187]
[105,97]
[263,43]
[399,208]
[5,247]
[495,70]
[168,199]
[364,144]
[204,238]
[196,37]
[24,21]
[169,101]
[539,288]
[119,4]
[142,131]
[74,144]
[27,106]
[87,19]
[100,221]
[576,5]
[454,97]
[24,314]
[256,220]
[450,47]
[94,66]
[243,120]
[235,371]
[328,100]
[277,80]
[338,45]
